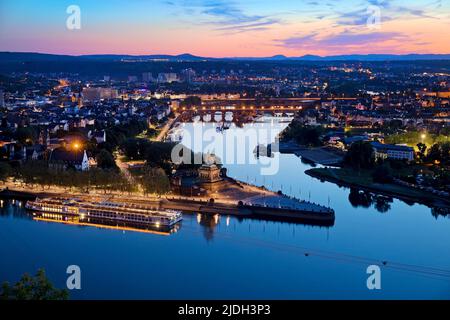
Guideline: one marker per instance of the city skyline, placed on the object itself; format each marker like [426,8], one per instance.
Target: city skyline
[227,29]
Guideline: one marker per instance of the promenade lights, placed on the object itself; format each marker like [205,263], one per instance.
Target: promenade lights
[76,146]
[423,136]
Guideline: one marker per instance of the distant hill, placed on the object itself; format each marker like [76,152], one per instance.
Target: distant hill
[44,57]
[112,57]
[353,57]
[32,57]
[377,57]
[37,57]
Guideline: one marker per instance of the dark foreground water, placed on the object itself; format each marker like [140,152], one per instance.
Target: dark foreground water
[223,257]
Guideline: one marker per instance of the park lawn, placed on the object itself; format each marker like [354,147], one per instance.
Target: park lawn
[411,169]
[406,191]
[363,177]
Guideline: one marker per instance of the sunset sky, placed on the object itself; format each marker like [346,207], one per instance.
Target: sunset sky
[222,28]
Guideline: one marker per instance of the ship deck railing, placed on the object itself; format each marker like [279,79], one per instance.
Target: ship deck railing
[110,206]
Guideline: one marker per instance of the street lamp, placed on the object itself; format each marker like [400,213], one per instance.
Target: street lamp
[76,146]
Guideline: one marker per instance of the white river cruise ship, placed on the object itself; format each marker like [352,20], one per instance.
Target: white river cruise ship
[113,211]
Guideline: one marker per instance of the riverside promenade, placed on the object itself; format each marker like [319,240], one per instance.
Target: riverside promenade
[260,205]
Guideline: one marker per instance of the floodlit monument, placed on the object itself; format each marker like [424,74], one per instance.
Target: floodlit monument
[209,173]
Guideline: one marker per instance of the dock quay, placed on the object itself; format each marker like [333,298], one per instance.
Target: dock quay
[201,206]
[320,155]
[323,156]
[305,212]
[261,208]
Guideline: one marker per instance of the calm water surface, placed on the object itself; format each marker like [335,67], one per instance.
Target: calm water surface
[225,257]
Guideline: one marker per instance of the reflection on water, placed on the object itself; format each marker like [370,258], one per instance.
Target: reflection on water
[225,257]
[16,210]
[440,212]
[290,177]
[105,224]
[298,261]
[366,199]
[209,223]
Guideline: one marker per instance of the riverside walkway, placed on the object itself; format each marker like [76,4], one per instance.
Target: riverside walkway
[268,207]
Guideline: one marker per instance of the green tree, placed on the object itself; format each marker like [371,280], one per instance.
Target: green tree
[151,132]
[33,288]
[134,148]
[155,180]
[158,154]
[5,171]
[25,135]
[439,152]
[360,155]
[445,152]
[304,135]
[434,154]
[422,148]
[105,160]
[382,174]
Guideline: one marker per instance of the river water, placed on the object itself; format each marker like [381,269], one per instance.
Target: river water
[224,257]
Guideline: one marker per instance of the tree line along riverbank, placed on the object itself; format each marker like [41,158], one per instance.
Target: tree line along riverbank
[363,179]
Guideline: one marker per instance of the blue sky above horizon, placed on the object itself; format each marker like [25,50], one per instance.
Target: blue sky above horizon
[219,28]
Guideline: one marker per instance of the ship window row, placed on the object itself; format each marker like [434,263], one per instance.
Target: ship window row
[124,216]
[51,209]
